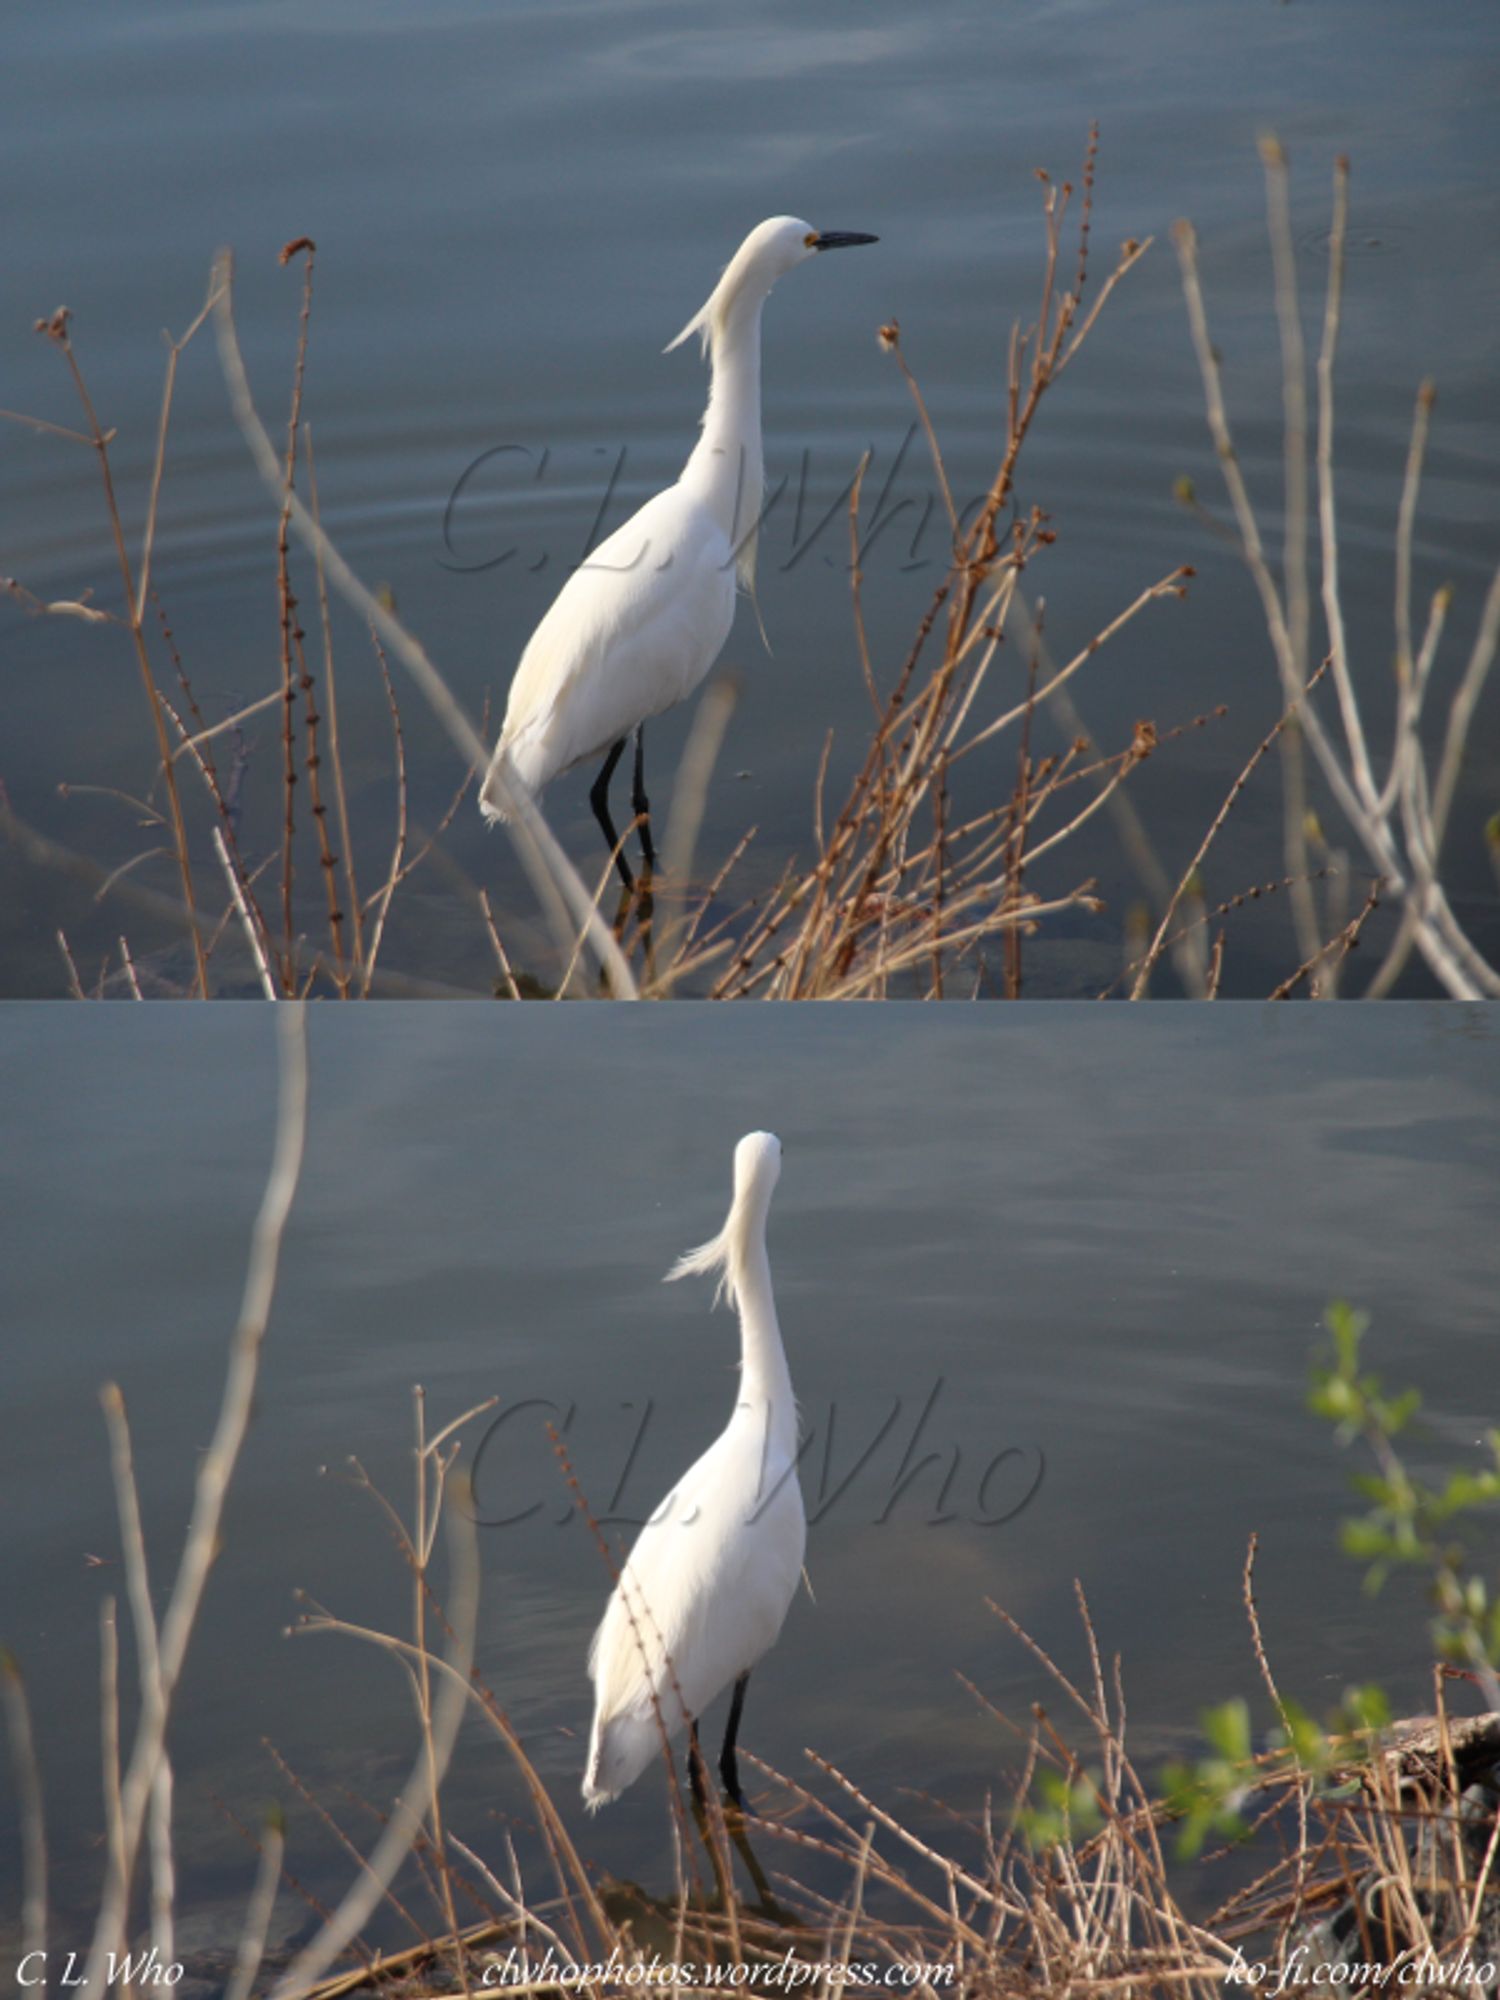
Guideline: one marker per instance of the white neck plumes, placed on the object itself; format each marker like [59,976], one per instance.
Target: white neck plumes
[726,469]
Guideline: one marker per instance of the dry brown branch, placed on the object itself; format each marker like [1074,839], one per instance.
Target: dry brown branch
[557,886]
[1190,874]
[56,330]
[340,1837]
[498,948]
[335,750]
[1336,949]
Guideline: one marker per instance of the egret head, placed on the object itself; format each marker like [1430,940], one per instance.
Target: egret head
[773,248]
[770,250]
[757,1167]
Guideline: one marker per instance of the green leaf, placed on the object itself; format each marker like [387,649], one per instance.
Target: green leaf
[1348,1328]
[1366,1707]
[1228,1730]
[1366,1539]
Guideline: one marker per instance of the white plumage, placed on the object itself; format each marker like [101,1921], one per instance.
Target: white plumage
[622,641]
[712,1574]
[638,625]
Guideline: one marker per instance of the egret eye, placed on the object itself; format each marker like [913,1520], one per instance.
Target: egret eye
[811,239]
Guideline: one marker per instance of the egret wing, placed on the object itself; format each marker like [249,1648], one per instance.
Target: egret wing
[707,1587]
[632,632]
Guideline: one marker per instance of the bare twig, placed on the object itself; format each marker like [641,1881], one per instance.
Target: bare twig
[552,876]
[29,1793]
[242,910]
[1159,941]
[211,1484]
[252,1944]
[1394,824]
[56,330]
[432,1761]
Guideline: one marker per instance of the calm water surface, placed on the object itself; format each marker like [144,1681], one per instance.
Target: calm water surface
[1094,1253]
[515,208]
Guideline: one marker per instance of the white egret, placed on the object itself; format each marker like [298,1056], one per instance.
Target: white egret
[712,1574]
[637,626]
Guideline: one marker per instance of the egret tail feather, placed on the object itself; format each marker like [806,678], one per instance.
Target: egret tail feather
[501,779]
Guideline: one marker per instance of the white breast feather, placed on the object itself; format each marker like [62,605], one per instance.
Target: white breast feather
[632,632]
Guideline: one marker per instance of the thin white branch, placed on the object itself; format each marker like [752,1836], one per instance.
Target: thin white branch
[29,1793]
[252,1945]
[1432,926]
[109,1730]
[242,910]
[1293,401]
[405,1822]
[1461,714]
[1333,610]
[689,796]
[148,1666]
[215,1470]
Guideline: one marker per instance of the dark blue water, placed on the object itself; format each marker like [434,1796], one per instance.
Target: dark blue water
[1072,1255]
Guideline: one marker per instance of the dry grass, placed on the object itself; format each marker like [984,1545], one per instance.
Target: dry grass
[914,878]
[1383,1855]
[1378,1857]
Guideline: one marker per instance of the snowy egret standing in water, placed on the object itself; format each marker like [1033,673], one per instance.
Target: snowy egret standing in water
[713,1573]
[636,627]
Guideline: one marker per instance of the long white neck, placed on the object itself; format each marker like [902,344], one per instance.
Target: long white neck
[725,470]
[738,1255]
[765,1381]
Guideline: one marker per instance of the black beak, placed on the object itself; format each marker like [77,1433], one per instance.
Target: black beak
[840,239]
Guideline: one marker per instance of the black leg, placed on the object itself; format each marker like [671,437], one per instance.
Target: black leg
[599,800]
[639,803]
[729,1768]
[695,1766]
